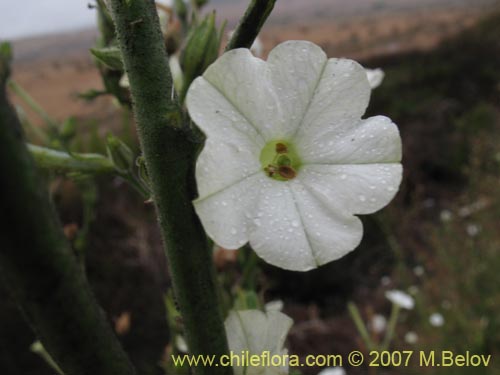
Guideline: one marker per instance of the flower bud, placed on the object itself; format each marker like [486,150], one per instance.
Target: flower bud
[120,154]
[202,49]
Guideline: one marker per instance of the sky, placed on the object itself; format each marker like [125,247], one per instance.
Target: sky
[34,17]
[31,17]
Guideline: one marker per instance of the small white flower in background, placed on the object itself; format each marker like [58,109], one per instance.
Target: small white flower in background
[436,320]
[445,216]
[378,323]
[473,230]
[375,77]
[400,298]
[418,271]
[411,337]
[333,371]
[288,161]
[256,332]
[257,47]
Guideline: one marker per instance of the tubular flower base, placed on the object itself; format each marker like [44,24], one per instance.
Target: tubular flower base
[288,160]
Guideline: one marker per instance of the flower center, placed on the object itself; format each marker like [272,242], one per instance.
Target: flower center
[279,160]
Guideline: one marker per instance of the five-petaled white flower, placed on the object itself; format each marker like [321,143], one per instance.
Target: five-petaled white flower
[288,161]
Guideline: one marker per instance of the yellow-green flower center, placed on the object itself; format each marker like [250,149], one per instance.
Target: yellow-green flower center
[280,160]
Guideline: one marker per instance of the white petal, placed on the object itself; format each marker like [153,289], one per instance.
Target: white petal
[340,100]
[221,165]
[296,70]
[356,188]
[375,77]
[244,81]
[400,298]
[257,332]
[218,117]
[370,141]
[226,215]
[233,146]
[333,371]
[300,231]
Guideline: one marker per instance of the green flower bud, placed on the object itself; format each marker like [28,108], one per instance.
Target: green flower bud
[120,154]
[202,49]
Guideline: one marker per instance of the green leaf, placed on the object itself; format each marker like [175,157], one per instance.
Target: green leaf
[109,56]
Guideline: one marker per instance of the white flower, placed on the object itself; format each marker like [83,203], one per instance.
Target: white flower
[378,323]
[375,77]
[418,271]
[400,298]
[411,337]
[436,320]
[473,230]
[445,216]
[288,160]
[256,332]
[333,371]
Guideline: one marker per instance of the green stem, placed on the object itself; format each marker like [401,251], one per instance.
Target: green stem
[61,161]
[251,23]
[360,325]
[391,326]
[38,266]
[170,156]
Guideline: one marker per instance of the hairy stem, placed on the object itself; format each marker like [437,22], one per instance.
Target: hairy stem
[47,158]
[38,266]
[251,23]
[170,156]
[94,164]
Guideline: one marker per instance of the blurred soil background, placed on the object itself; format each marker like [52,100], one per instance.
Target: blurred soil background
[438,240]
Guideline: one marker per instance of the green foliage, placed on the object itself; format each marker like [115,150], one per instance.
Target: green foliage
[202,49]
[109,56]
[120,154]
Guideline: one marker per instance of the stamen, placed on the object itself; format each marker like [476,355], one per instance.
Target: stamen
[287,172]
[281,148]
